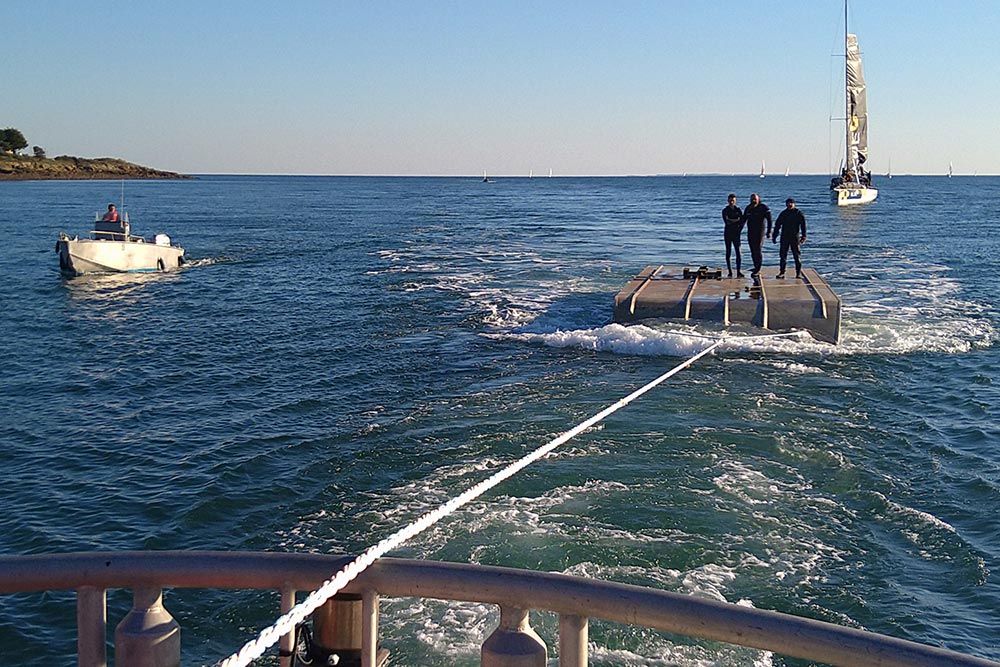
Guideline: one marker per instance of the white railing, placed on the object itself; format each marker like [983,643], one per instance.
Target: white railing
[575,599]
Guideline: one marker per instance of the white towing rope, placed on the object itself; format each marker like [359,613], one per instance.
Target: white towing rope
[287,623]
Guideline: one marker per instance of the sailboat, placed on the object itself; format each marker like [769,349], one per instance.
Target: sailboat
[854,185]
[888,174]
[762,169]
[786,171]
[950,169]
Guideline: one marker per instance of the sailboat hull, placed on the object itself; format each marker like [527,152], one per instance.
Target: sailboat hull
[845,196]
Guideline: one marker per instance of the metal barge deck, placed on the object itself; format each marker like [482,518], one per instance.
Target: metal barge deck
[777,304]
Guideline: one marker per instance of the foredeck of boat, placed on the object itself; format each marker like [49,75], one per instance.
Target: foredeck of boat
[674,292]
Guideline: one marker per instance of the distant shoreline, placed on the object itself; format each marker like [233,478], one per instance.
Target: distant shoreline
[65,167]
[69,168]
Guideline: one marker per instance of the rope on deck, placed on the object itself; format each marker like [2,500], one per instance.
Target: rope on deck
[286,623]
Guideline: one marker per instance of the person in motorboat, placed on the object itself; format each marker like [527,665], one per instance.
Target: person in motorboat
[111,215]
[754,216]
[791,224]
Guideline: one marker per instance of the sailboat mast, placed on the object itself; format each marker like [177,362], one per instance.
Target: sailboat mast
[848,162]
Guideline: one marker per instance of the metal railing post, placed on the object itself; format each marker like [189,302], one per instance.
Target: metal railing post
[148,636]
[337,628]
[573,633]
[91,627]
[369,628]
[287,643]
[514,643]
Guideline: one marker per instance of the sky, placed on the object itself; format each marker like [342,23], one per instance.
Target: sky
[459,88]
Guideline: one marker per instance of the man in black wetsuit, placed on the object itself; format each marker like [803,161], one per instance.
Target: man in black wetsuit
[732,217]
[791,224]
[754,216]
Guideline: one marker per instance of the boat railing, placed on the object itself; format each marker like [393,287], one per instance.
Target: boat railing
[516,592]
[113,230]
[106,230]
[100,235]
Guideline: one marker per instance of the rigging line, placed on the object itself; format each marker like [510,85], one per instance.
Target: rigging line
[287,622]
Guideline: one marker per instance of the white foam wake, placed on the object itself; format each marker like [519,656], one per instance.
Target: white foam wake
[877,336]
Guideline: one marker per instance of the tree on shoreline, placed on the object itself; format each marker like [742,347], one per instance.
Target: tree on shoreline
[11,140]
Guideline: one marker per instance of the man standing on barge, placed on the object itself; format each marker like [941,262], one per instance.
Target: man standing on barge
[791,224]
[732,218]
[754,216]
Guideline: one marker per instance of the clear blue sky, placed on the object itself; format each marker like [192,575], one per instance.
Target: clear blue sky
[582,88]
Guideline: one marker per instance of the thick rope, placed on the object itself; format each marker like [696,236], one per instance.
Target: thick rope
[286,623]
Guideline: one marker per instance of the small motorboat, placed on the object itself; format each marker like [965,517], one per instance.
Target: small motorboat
[111,248]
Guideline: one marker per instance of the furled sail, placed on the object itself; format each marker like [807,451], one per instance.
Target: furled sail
[857,105]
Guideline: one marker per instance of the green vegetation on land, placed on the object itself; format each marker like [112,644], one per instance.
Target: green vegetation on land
[17,167]
[25,168]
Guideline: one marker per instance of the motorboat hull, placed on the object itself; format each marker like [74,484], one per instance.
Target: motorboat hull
[80,256]
[847,196]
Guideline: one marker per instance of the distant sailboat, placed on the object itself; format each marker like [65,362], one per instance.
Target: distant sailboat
[854,185]
[485,178]
[786,171]
[762,169]
[550,173]
[950,169]
[531,174]
[888,174]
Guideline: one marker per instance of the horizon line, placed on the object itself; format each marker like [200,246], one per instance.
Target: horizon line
[543,177]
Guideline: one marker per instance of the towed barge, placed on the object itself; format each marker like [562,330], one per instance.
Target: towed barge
[777,304]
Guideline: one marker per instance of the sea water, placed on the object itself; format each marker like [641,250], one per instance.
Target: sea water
[341,354]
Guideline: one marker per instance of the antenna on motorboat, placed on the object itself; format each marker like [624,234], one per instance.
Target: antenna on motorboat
[123,216]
